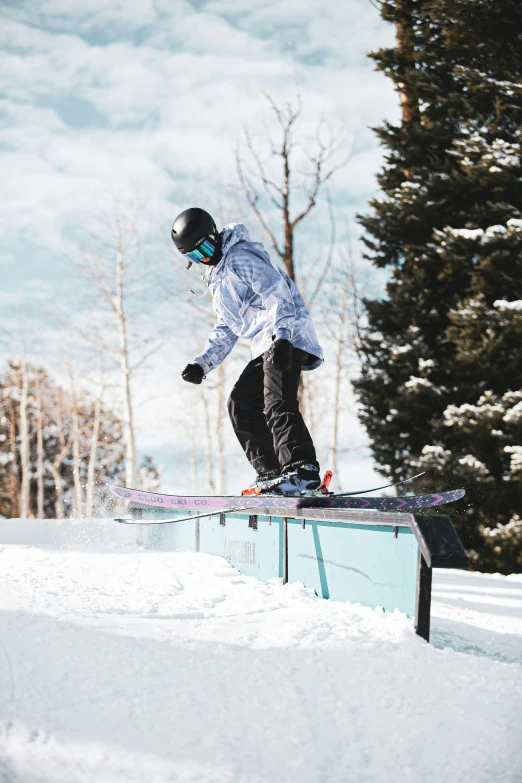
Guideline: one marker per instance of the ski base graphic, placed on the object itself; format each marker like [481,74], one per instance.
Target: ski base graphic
[243,503]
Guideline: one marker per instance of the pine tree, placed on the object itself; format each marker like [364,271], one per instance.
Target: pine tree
[441,385]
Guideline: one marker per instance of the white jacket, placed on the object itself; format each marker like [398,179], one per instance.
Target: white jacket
[254,300]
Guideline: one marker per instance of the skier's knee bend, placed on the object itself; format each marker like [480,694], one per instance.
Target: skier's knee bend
[276,408]
[236,402]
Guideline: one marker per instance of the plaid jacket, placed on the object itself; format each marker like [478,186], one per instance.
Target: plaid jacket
[254,300]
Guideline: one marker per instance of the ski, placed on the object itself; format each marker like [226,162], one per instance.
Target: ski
[202,502]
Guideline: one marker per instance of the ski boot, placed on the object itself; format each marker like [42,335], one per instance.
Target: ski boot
[263,480]
[302,480]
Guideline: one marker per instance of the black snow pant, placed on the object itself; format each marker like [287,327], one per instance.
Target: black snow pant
[265,415]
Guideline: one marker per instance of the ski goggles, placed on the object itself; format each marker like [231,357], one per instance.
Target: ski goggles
[205,250]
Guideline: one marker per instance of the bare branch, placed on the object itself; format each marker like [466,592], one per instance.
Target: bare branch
[268,184]
[253,198]
[321,158]
[154,350]
[319,179]
[329,257]
[93,339]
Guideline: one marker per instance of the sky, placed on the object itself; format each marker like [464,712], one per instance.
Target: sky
[144,102]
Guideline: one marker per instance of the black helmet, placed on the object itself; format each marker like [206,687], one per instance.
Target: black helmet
[191,228]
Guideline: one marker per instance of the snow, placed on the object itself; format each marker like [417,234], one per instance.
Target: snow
[466,233]
[472,462]
[516,459]
[120,664]
[488,406]
[426,364]
[478,234]
[503,304]
[434,457]
[511,530]
[415,383]
[398,350]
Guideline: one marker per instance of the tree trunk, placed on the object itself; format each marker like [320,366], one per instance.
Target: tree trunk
[76,510]
[289,244]
[57,463]
[15,478]
[58,488]
[287,223]
[341,341]
[221,453]
[209,445]
[24,441]
[405,46]
[92,458]
[130,443]
[39,455]
[336,414]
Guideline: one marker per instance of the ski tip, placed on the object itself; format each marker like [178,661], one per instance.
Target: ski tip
[121,492]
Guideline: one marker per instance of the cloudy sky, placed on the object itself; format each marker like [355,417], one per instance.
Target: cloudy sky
[101,99]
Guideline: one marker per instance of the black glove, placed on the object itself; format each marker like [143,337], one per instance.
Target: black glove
[193,373]
[280,354]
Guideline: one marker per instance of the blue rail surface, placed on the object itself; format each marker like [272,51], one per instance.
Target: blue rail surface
[372,564]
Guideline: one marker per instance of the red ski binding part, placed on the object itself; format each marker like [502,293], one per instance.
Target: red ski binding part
[325,484]
[252,491]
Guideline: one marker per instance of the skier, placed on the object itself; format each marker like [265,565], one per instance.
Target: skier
[255,301]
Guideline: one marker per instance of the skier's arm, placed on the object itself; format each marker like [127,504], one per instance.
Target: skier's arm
[256,270]
[220,342]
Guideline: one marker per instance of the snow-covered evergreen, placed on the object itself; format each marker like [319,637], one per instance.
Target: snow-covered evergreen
[442,379]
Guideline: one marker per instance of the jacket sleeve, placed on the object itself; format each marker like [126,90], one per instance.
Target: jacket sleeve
[220,342]
[256,270]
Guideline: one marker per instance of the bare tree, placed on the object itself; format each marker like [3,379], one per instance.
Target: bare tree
[208,438]
[39,452]
[320,160]
[115,280]
[61,429]
[212,394]
[92,454]
[339,367]
[24,438]
[344,327]
[287,177]
[194,460]
[220,429]
[64,447]
[76,509]
[15,475]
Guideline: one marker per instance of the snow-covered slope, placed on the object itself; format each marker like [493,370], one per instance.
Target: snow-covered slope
[126,665]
